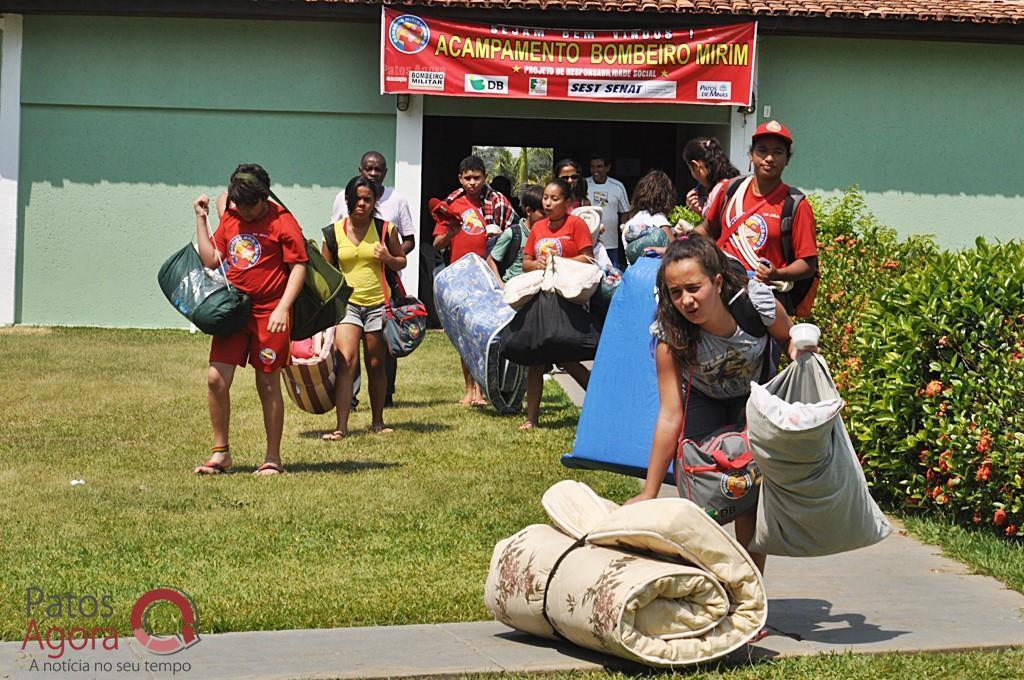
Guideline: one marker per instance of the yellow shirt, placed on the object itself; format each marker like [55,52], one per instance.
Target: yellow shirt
[361,269]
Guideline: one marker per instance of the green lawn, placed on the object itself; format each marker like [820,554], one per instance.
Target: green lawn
[389,529]
[973,666]
[373,530]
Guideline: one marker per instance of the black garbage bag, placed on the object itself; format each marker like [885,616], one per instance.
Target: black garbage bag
[550,330]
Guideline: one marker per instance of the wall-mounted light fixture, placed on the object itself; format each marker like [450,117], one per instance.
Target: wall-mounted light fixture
[745,110]
[402,102]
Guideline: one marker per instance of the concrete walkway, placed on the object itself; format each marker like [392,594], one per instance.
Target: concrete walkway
[896,596]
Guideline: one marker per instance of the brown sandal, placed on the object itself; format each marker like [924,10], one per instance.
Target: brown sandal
[277,470]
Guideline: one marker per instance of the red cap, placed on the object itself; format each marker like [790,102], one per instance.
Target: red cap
[439,210]
[773,128]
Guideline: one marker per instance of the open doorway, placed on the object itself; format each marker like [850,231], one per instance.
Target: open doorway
[634,147]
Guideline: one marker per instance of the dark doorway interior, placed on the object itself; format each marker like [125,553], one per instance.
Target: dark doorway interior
[635,149]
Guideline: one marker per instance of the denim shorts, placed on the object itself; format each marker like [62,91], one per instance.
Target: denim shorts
[370,319]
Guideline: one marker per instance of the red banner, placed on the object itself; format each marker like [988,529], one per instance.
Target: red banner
[421,55]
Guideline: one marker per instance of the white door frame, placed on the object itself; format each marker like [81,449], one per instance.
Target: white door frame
[10,155]
[408,178]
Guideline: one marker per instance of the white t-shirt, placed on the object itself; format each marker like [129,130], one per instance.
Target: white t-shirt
[392,207]
[612,199]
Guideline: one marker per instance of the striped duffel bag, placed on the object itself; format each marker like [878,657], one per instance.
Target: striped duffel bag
[309,379]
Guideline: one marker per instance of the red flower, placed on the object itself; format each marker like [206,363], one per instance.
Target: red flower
[935,491]
[984,444]
[944,460]
[1011,529]
[977,518]
[942,499]
[933,389]
[984,472]
[890,264]
[923,456]
[999,518]
[943,341]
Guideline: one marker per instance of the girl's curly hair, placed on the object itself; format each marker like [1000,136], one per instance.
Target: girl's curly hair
[679,334]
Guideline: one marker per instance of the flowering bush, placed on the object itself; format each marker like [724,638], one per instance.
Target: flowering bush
[927,347]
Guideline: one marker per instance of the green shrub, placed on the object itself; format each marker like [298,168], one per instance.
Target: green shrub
[936,383]
[927,349]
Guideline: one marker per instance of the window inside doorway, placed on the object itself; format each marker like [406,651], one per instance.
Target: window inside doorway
[523,165]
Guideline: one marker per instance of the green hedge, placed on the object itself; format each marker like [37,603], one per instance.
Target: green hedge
[927,347]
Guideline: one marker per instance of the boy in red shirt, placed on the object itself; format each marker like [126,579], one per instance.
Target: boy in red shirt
[750,220]
[464,222]
[264,249]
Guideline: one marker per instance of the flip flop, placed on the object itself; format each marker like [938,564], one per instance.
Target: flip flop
[335,436]
[278,470]
[217,468]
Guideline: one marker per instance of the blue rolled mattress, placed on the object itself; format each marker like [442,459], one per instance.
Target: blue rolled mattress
[473,315]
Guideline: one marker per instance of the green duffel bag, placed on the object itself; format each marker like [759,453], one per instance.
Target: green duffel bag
[201,295]
[323,299]
[635,249]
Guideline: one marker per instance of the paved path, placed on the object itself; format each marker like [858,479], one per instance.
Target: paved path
[898,595]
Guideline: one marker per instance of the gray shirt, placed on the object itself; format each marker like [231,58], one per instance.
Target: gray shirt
[726,366]
[612,199]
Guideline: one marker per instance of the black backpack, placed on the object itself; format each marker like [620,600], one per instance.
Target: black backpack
[742,309]
[803,287]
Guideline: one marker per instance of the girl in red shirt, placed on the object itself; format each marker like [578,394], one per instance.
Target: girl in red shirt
[564,235]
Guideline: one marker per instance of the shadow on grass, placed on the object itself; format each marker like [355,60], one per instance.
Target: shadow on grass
[407,425]
[417,403]
[343,466]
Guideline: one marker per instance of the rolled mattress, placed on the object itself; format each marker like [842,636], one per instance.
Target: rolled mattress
[473,315]
[657,582]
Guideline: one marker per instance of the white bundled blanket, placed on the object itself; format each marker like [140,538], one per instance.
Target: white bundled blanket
[658,582]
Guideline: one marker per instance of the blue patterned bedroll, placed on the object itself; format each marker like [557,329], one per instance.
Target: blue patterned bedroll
[473,314]
[616,427]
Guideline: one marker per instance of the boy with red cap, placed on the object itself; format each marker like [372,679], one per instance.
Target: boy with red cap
[761,221]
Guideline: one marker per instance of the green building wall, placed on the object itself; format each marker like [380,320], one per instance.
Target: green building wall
[930,131]
[125,121]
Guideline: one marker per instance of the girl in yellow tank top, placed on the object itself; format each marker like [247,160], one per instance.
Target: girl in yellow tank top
[364,246]
[359,264]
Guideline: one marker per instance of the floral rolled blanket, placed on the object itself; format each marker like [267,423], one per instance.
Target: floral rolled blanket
[657,582]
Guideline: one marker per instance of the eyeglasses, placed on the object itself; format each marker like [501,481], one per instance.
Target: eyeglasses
[572,177]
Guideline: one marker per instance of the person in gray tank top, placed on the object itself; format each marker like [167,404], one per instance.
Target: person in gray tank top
[705,359]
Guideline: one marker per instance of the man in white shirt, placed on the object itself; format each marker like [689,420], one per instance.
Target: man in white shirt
[609,194]
[391,207]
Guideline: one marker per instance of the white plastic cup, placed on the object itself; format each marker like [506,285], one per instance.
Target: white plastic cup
[805,335]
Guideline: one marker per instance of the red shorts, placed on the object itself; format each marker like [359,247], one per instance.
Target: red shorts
[254,344]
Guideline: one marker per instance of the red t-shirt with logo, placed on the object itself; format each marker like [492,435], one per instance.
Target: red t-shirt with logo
[258,251]
[566,241]
[472,235]
[763,229]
